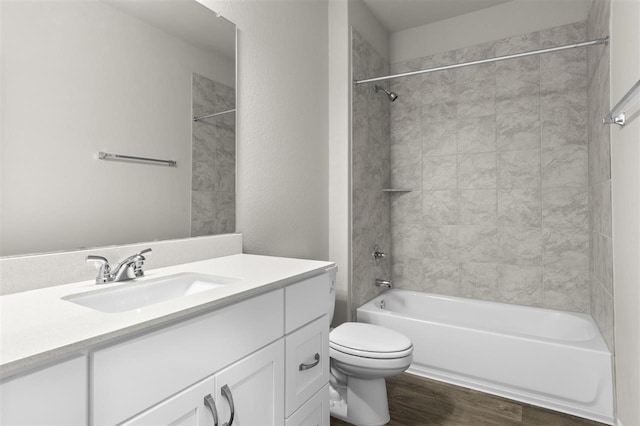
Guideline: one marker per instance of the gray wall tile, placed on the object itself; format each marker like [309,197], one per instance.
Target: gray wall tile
[477,171]
[518,131]
[406,167]
[519,169]
[520,284]
[479,280]
[375,150]
[566,248]
[440,242]
[477,244]
[565,208]
[440,207]
[565,166]
[441,275]
[440,172]
[475,98]
[504,189]
[520,246]
[406,207]
[478,207]
[519,95]
[439,138]
[477,134]
[214,158]
[519,207]
[563,289]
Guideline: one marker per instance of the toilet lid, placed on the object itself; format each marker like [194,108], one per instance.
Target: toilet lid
[369,340]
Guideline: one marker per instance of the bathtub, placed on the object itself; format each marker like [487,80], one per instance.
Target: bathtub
[553,359]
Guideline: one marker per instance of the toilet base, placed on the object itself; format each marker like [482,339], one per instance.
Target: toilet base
[365,405]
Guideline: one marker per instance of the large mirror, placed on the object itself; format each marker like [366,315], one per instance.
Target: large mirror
[122,77]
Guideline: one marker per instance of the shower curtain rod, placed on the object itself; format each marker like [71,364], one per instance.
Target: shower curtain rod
[484,61]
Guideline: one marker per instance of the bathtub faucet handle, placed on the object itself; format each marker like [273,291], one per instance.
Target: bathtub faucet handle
[377,255]
[383,283]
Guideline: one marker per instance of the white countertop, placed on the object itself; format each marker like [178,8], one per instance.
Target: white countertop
[38,325]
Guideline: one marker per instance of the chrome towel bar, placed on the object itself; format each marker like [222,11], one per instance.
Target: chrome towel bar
[202,117]
[617,115]
[120,157]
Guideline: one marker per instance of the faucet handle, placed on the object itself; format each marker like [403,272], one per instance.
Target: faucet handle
[139,262]
[140,253]
[104,272]
[378,255]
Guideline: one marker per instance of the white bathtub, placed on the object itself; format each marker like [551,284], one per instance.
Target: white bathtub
[548,358]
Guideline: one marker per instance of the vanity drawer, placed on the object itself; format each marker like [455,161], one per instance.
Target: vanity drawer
[135,374]
[306,301]
[307,363]
[314,412]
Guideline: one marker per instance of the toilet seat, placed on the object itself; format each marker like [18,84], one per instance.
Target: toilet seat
[369,341]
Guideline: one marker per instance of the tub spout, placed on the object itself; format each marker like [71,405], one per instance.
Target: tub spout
[383,283]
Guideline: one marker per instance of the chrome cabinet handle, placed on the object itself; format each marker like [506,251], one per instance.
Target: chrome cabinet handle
[211,405]
[304,366]
[226,392]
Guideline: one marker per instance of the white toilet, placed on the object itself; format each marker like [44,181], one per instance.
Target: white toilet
[362,355]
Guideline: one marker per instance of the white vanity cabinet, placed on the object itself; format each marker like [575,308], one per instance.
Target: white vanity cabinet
[261,358]
[55,395]
[253,387]
[270,352]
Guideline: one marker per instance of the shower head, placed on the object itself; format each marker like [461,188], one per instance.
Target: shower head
[392,96]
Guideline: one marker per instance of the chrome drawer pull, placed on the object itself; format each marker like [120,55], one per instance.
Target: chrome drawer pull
[313,364]
[226,392]
[211,405]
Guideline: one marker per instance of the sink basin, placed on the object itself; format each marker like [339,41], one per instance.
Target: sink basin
[133,295]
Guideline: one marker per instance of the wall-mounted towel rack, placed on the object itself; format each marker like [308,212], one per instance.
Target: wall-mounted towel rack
[396,190]
[617,115]
[215,114]
[120,157]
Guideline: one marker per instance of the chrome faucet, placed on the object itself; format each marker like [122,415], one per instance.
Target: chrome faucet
[383,283]
[128,269]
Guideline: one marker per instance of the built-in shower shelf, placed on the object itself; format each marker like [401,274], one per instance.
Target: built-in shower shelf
[397,190]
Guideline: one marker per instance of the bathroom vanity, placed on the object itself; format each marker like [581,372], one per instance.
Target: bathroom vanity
[254,350]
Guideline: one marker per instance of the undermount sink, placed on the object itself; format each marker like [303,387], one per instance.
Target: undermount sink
[133,295]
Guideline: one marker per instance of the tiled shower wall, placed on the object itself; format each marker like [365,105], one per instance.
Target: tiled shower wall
[496,157]
[370,173]
[213,170]
[600,174]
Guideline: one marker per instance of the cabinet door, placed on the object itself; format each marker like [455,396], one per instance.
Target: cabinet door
[252,390]
[55,395]
[188,408]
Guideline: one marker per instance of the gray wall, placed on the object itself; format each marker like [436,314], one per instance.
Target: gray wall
[600,174]
[496,156]
[370,173]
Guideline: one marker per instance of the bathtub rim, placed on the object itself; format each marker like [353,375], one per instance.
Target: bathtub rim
[595,343]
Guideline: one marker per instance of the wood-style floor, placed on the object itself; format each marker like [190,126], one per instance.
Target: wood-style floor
[416,401]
